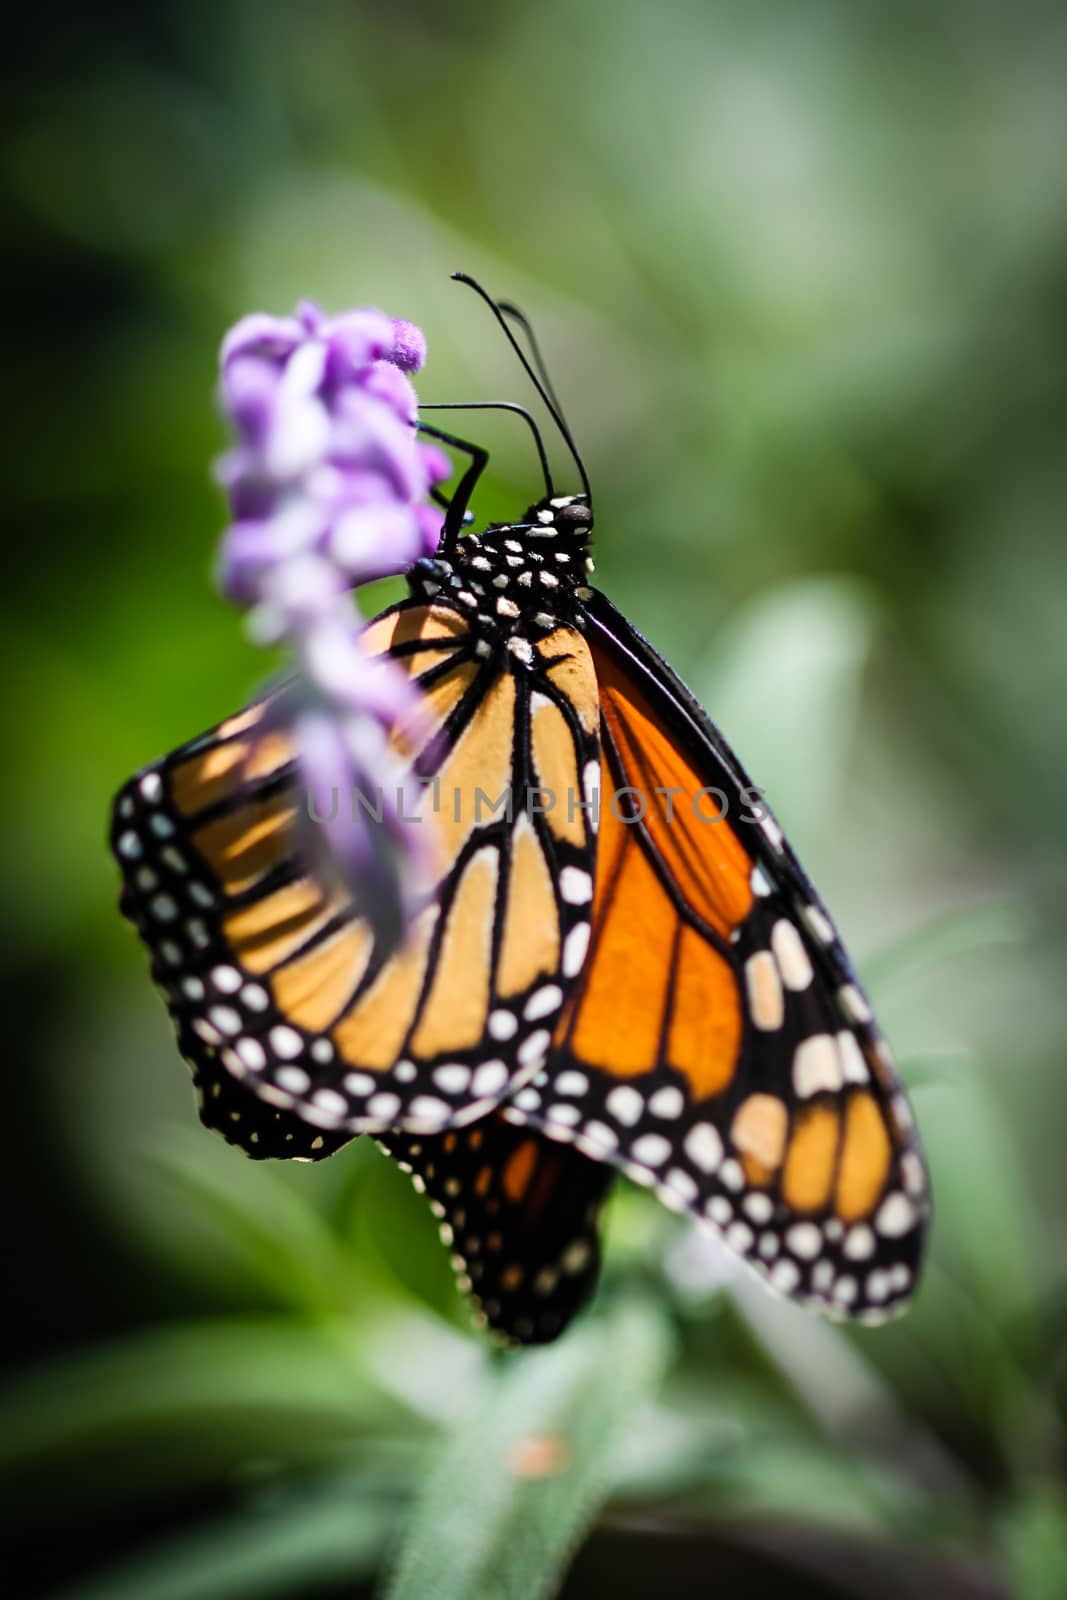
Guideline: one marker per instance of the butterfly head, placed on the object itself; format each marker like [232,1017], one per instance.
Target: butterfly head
[513,570]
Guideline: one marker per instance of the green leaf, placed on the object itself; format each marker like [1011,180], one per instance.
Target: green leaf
[333,1534]
[249,1221]
[789,671]
[962,931]
[1035,1538]
[520,1481]
[180,1405]
[987,1233]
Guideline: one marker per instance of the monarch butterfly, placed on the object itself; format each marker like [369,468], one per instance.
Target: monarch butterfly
[632,978]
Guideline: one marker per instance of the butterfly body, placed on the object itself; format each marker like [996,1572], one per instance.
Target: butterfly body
[615,964]
[516,581]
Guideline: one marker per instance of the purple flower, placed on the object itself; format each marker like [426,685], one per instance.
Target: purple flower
[328,487]
[409,346]
[358,811]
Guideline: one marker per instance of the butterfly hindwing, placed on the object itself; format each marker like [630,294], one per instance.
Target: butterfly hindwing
[519,1214]
[717,1045]
[267,968]
[254,1126]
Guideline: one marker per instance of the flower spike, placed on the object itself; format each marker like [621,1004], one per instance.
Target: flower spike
[328,486]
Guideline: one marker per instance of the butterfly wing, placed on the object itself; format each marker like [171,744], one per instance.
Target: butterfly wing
[718,1046]
[267,969]
[261,1130]
[520,1215]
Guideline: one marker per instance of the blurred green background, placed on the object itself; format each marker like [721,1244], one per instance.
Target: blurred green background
[800,270]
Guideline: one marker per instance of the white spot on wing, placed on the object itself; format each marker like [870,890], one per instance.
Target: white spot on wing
[853,1003]
[252,1054]
[599,1137]
[330,1102]
[574,950]
[652,1148]
[575,886]
[895,1216]
[625,1105]
[543,1002]
[682,1184]
[668,1102]
[360,1084]
[576,1256]
[820,924]
[703,1146]
[285,1042]
[293,1079]
[859,1243]
[453,1078]
[791,955]
[765,1000]
[226,1019]
[535,1047]
[785,1275]
[805,1240]
[854,1068]
[816,1066]
[760,882]
[489,1078]
[427,1108]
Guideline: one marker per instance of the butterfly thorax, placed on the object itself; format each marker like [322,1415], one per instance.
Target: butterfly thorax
[516,579]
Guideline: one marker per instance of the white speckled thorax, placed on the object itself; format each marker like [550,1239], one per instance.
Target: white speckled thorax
[517,580]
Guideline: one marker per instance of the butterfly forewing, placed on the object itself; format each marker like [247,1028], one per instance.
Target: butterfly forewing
[268,969]
[717,1045]
[261,1130]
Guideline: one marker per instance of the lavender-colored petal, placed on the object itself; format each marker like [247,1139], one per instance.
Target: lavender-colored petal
[310,316]
[246,555]
[299,435]
[372,436]
[363,851]
[327,489]
[388,384]
[339,486]
[256,555]
[431,522]
[409,346]
[370,542]
[305,371]
[304,590]
[340,670]
[354,340]
[261,335]
[252,493]
[435,463]
[249,392]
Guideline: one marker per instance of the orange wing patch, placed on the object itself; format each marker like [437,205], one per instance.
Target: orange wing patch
[656,990]
[457,1008]
[312,990]
[706,859]
[714,1046]
[530,946]
[271,973]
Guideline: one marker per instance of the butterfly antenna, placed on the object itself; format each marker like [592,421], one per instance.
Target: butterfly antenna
[517,314]
[501,405]
[544,391]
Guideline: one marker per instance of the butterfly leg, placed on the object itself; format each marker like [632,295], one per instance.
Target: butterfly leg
[456,504]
